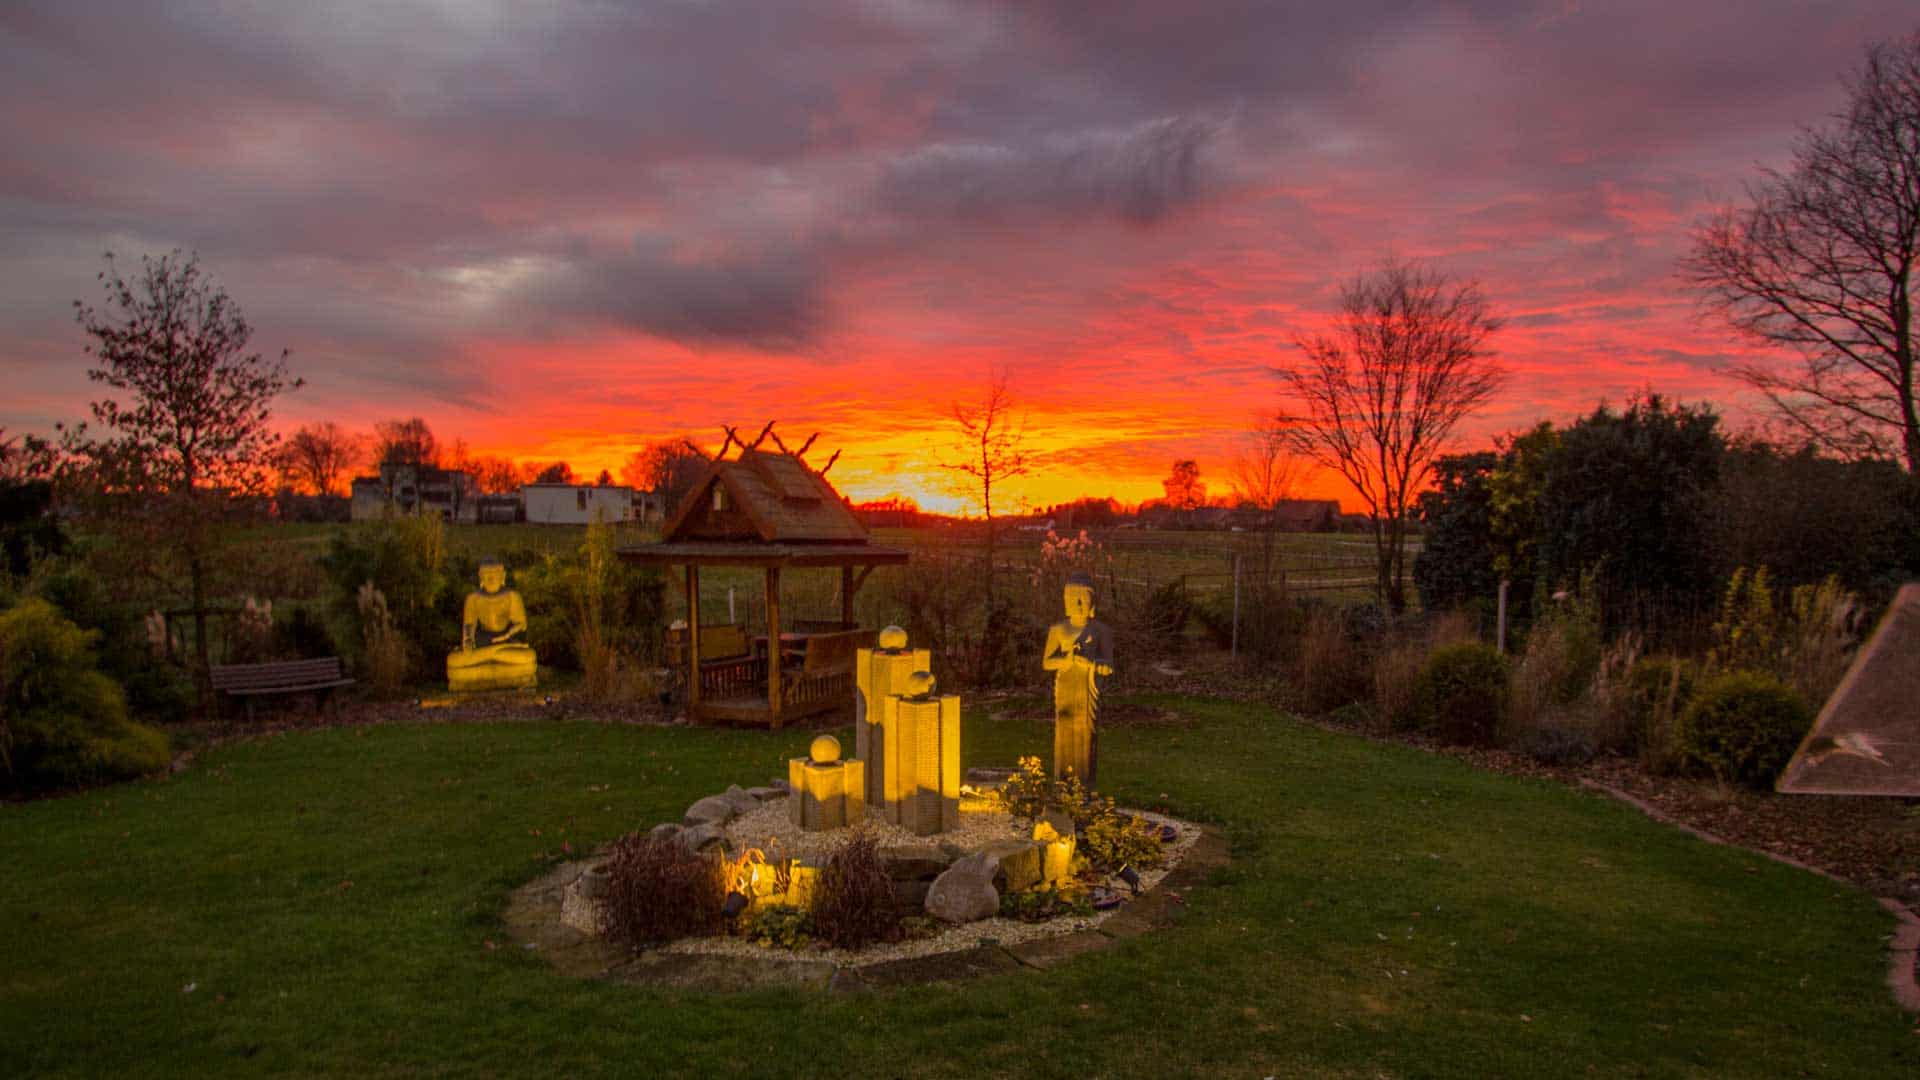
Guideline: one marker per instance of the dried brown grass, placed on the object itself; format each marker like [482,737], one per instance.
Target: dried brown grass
[658,891]
[853,905]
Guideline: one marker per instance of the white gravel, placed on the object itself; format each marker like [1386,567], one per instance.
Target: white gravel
[769,829]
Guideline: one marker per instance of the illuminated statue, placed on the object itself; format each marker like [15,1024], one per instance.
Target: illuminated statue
[919,736]
[879,673]
[493,652]
[828,793]
[1079,653]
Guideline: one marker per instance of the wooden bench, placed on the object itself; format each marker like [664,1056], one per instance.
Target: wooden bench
[248,681]
[824,677]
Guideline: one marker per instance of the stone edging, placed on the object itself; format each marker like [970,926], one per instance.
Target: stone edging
[1902,950]
[533,921]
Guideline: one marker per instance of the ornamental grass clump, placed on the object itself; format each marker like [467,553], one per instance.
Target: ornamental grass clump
[1657,691]
[1743,727]
[853,904]
[659,891]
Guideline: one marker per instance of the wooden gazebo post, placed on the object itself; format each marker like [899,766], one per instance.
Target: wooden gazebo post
[769,510]
[693,638]
[773,647]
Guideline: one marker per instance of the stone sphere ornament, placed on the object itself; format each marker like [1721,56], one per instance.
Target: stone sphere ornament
[893,639]
[919,684]
[825,750]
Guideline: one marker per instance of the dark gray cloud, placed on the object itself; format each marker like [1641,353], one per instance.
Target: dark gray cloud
[768,299]
[383,183]
[1139,176]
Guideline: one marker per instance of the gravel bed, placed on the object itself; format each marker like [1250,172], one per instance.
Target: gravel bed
[769,829]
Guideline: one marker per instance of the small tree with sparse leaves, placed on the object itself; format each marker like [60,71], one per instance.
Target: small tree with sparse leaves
[186,447]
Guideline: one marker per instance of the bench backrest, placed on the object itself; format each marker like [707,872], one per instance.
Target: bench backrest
[275,673]
[829,654]
[723,640]
[718,641]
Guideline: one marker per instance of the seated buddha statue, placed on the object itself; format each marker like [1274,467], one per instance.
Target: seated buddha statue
[493,652]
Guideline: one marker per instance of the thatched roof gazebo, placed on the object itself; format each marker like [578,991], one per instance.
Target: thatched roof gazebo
[767,509]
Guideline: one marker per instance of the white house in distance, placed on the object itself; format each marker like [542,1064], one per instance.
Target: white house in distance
[574,504]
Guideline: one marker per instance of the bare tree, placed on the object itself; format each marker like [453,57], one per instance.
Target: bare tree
[990,449]
[1380,394]
[1822,264]
[494,475]
[557,472]
[406,442]
[318,458]
[193,443]
[1184,489]
[669,468]
[1265,473]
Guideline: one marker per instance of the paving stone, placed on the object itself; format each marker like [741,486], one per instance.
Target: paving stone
[742,801]
[766,794]
[1049,951]
[666,830]
[1149,911]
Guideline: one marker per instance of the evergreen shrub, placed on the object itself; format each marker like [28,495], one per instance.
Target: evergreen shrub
[1742,727]
[1461,695]
[62,723]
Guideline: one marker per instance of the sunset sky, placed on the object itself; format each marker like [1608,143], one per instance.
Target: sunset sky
[563,229]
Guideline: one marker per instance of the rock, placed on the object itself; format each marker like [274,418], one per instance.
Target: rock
[766,794]
[1016,864]
[697,838]
[965,892]
[739,798]
[986,777]
[664,831]
[910,897]
[592,882]
[781,783]
[712,810]
[914,862]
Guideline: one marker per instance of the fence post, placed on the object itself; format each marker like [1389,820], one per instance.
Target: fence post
[1235,651]
[1500,630]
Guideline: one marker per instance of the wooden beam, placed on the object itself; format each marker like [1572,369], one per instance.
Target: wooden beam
[802,452]
[862,579]
[762,437]
[777,441]
[732,437]
[829,464]
[846,597]
[773,648]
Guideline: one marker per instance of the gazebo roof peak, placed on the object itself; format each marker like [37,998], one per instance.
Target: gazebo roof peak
[764,495]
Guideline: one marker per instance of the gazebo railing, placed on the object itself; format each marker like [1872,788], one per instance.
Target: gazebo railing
[741,676]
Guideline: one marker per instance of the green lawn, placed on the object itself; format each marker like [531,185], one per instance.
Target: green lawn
[330,897]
